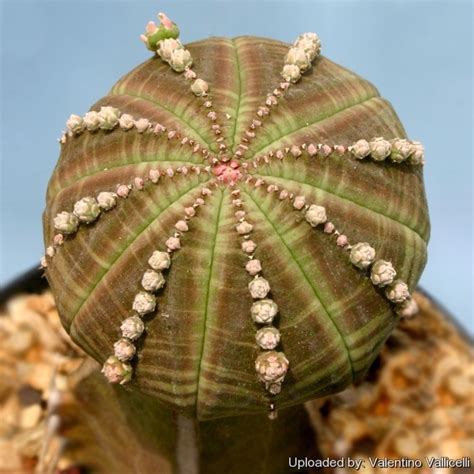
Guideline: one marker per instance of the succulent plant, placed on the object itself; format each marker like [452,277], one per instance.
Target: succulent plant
[237,226]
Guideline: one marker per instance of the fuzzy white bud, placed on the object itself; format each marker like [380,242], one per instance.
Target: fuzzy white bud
[109,117]
[167,46]
[92,121]
[401,150]
[66,222]
[249,246]
[268,338]
[253,266]
[116,371]
[362,255]
[124,349]
[297,56]
[106,200]
[263,311]
[144,303]
[180,60]
[397,292]
[382,273]
[199,87]
[126,121]
[244,228]
[153,281]
[75,123]
[86,209]
[259,287]
[380,149]
[154,176]
[315,215]
[360,149]
[159,260]
[417,157]
[132,328]
[310,44]
[291,73]
[142,125]
[271,366]
[173,243]
[299,202]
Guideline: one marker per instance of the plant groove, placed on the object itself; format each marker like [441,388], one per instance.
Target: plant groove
[305,276]
[209,145]
[134,238]
[206,305]
[316,122]
[345,198]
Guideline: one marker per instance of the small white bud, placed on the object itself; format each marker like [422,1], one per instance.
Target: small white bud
[167,46]
[259,287]
[380,149]
[182,226]
[360,149]
[189,74]
[312,149]
[249,246]
[297,57]
[324,150]
[382,273]
[310,47]
[268,338]
[296,151]
[123,190]
[291,73]
[92,121]
[299,202]
[144,303]
[86,209]
[190,211]
[401,150]
[154,176]
[132,328]
[417,157]
[109,117]
[362,255]
[173,243]
[116,371]
[75,123]
[126,121]
[271,366]
[66,222]
[244,228]
[310,43]
[124,349]
[159,260]
[142,125]
[199,87]
[106,200]
[315,215]
[397,292]
[153,281]
[263,311]
[180,60]
[253,266]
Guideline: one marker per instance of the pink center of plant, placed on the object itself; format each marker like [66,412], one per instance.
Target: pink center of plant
[228,173]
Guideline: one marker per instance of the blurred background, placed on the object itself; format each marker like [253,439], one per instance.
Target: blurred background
[59,57]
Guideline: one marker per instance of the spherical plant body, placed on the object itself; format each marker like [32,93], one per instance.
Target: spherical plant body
[237,226]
